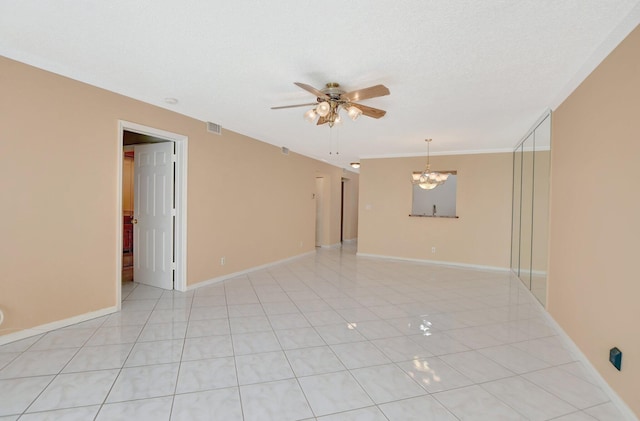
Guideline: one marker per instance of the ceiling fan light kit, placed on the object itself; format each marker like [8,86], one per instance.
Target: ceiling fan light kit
[331,100]
[428,179]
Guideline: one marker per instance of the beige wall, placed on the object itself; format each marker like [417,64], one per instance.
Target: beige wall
[481,236]
[59,165]
[594,289]
[351,196]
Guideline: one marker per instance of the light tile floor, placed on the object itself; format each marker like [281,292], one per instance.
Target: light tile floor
[324,337]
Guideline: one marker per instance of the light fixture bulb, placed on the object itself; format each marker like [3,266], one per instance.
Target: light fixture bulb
[323,109]
[354,112]
[355,165]
[310,116]
[338,119]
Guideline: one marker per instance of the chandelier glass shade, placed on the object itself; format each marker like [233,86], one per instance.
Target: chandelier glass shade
[329,112]
[428,179]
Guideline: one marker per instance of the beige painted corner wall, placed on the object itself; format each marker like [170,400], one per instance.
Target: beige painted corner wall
[59,168]
[594,288]
[482,234]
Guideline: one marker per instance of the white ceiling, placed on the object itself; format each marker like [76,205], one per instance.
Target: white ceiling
[473,75]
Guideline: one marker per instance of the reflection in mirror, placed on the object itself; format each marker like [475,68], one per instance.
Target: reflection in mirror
[541,183]
[515,214]
[526,211]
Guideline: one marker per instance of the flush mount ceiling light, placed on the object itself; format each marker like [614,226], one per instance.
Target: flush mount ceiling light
[355,165]
[331,100]
[428,179]
[171,101]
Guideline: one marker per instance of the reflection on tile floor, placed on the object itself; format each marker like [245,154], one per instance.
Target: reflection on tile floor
[324,337]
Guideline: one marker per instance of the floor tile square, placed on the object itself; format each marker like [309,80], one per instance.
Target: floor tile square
[386,383]
[538,405]
[75,389]
[207,347]
[476,404]
[303,337]
[70,414]
[221,404]
[200,375]
[264,367]
[476,366]
[334,392]
[370,413]
[359,354]
[316,360]
[254,343]
[17,394]
[434,375]
[38,363]
[275,401]
[143,382]
[568,387]
[99,358]
[139,410]
[417,409]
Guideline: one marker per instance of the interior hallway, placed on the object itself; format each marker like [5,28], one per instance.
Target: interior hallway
[329,336]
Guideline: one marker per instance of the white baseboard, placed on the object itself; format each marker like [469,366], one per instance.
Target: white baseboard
[624,409]
[244,272]
[26,333]
[350,240]
[331,246]
[435,262]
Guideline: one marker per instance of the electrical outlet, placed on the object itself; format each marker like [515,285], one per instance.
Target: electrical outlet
[222,261]
[433,250]
[300,243]
[615,357]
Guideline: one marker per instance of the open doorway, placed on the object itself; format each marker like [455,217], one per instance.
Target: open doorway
[148,190]
[172,158]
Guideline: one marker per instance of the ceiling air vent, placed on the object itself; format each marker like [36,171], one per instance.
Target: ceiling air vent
[214,128]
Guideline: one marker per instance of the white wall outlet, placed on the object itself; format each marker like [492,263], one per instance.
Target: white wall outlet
[300,243]
[222,261]
[433,250]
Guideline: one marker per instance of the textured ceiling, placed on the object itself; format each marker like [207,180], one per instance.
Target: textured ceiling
[472,75]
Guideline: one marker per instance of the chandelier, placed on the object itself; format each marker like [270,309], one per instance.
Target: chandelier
[428,179]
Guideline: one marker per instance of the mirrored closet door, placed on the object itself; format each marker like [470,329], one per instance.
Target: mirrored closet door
[530,211]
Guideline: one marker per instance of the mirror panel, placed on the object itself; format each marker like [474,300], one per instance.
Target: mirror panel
[515,213]
[526,211]
[541,176]
[530,208]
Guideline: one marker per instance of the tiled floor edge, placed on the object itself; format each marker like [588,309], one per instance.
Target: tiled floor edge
[457,265]
[37,330]
[245,271]
[606,388]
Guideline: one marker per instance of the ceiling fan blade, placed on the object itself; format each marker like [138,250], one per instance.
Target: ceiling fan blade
[321,121]
[370,111]
[294,106]
[366,93]
[311,89]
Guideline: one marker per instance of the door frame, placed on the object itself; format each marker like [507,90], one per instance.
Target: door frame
[180,182]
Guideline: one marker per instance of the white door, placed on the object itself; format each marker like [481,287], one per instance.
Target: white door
[153,215]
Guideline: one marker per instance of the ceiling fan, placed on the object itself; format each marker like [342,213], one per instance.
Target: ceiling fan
[331,99]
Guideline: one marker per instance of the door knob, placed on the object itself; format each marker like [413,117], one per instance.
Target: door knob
[134,221]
